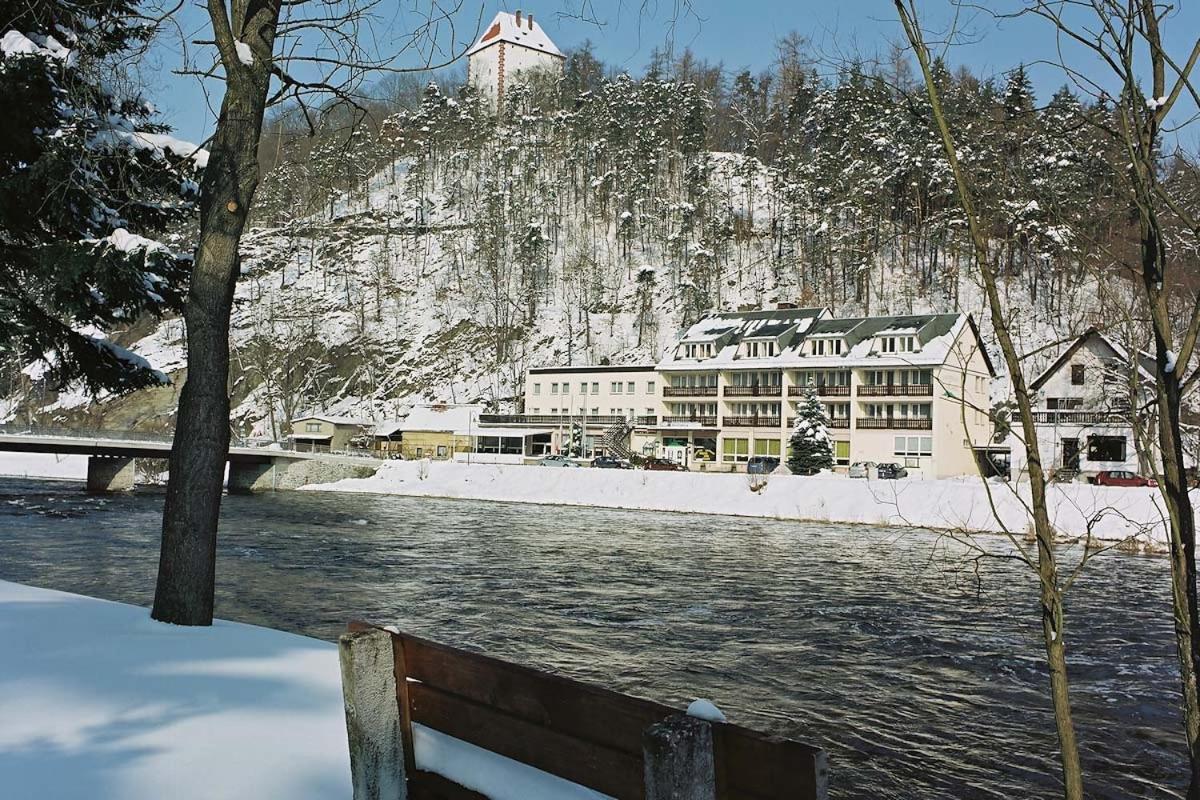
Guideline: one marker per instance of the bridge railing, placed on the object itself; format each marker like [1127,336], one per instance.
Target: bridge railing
[17,429]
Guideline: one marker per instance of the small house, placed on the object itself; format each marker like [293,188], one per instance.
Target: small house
[324,433]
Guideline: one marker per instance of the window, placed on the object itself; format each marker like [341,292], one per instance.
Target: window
[887,344]
[595,412]
[583,388]
[554,411]
[629,387]
[736,450]
[766,447]
[420,452]
[441,451]
[554,388]
[595,387]
[1106,448]
[617,386]
[841,452]
[914,446]
[535,411]
[649,387]
[1078,373]
[312,427]
[649,412]
[537,388]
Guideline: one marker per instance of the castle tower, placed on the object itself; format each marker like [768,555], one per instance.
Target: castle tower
[511,44]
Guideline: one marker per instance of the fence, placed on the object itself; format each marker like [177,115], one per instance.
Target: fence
[619,745]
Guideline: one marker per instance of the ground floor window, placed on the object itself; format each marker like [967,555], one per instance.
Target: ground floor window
[1106,448]
[420,452]
[441,451]
[841,452]
[510,445]
[736,450]
[767,447]
[914,446]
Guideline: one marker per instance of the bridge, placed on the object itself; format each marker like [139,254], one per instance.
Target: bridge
[254,464]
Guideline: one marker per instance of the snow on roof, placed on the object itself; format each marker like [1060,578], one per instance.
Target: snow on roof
[515,29]
[332,420]
[1145,361]
[442,418]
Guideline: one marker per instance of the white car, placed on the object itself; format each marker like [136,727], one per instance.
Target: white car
[862,469]
[557,460]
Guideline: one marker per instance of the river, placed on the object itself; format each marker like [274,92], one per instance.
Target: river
[918,669]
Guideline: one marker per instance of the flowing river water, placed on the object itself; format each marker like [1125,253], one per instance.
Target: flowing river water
[919,669]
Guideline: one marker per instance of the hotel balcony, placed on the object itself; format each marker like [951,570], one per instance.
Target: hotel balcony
[751,422]
[754,391]
[1080,418]
[822,391]
[547,419]
[689,391]
[832,423]
[894,423]
[897,390]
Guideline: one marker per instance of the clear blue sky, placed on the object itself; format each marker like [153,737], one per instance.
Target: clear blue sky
[738,33]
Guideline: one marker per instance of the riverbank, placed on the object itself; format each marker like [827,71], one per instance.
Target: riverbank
[98,701]
[962,504]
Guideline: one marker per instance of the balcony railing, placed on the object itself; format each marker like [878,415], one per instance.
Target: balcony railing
[753,391]
[897,390]
[1080,418]
[752,422]
[647,420]
[894,423]
[833,423]
[701,422]
[689,391]
[822,391]
[547,419]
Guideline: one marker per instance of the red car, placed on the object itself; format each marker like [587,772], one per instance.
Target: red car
[663,464]
[1120,477]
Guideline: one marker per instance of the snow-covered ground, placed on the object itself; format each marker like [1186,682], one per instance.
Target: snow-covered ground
[99,701]
[43,465]
[949,504]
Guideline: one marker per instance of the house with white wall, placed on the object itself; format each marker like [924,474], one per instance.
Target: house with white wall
[513,44]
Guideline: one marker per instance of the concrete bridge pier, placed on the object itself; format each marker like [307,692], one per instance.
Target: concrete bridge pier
[246,477]
[109,474]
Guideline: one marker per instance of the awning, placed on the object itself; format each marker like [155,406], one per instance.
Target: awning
[511,433]
[298,437]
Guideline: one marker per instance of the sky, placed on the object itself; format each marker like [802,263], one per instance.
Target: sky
[739,34]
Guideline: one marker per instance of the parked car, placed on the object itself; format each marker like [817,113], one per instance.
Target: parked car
[610,462]
[762,465]
[1121,477]
[557,460]
[662,464]
[891,472]
[862,469]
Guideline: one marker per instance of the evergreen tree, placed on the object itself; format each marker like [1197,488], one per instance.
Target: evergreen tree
[811,450]
[86,176]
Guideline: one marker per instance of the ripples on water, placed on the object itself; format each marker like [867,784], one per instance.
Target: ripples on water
[921,679]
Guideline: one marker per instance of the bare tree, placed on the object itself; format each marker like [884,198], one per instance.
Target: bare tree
[266,51]
[1050,583]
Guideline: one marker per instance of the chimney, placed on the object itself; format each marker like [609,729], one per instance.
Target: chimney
[531,22]
[784,306]
[518,18]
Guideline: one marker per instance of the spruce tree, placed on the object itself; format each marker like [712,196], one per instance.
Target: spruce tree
[811,450]
[87,179]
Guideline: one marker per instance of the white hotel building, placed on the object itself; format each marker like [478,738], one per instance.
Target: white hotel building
[907,389]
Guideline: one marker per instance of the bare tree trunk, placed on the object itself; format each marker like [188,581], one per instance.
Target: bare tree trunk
[186,567]
[1050,590]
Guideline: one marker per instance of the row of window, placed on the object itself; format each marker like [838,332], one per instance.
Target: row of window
[615,387]
[595,412]
[898,344]
[817,346]
[899,377]
[892,410]
[738,450]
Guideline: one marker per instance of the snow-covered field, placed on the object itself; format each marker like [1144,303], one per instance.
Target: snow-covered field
[98,701]
[954,504]
[43,465]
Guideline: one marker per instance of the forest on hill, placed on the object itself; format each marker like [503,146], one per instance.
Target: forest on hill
[416,246]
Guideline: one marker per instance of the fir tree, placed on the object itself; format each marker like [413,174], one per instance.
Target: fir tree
[85,176]
[811,450]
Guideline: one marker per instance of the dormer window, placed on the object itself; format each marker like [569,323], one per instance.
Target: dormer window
[826,347]
[698,350]
[760,349]
[897,344]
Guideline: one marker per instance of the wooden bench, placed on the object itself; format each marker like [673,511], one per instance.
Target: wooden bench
[615,744]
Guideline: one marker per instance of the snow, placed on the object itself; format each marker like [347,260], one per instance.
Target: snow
[487,772]
[706,709]
[1115,513]
[128,242]
[16,43]
[98,701]
[243,53]
[43,465]
[1172,358]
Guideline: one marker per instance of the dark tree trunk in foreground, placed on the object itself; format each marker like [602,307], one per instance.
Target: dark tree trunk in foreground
[186,569]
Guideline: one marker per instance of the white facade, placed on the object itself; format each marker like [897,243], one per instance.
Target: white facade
[1082,408]
[511,45]
[910,390]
